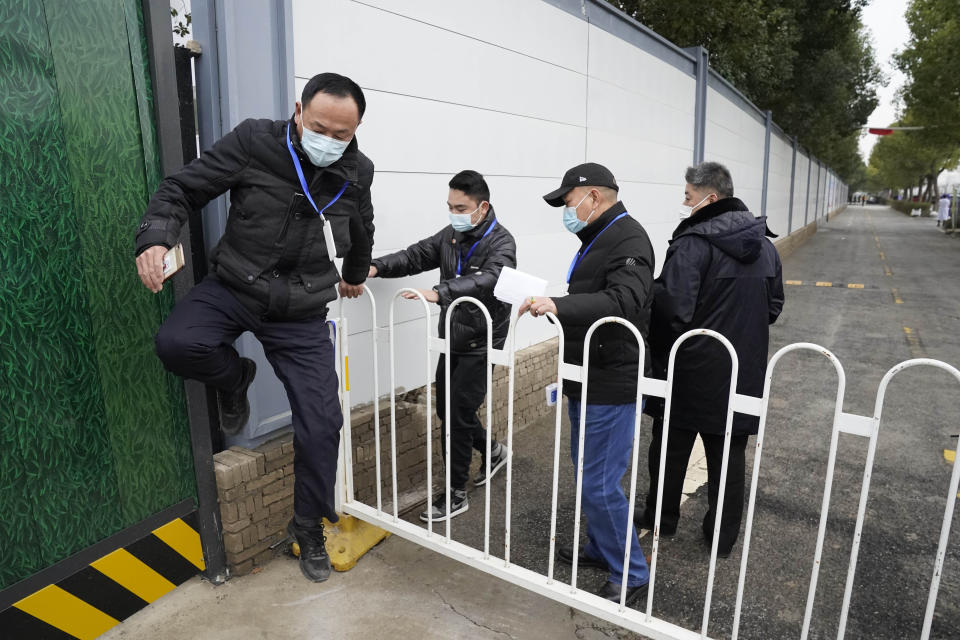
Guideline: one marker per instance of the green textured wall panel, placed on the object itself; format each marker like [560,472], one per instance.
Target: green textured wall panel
[93,432]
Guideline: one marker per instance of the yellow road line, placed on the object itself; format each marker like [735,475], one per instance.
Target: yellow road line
[128,571]
[797,282]
[824,284]
[950,456]
[67,612]
[896,296]
[181,537]
[854,286]
[882,256]
[887,271]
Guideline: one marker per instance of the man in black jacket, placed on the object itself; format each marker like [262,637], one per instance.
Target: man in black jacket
[720,273]
[291,183]
[470,253]
[611,275]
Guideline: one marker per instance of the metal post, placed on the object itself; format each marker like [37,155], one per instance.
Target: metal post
[768,117]
[702,66]
[156,19]
[793,179]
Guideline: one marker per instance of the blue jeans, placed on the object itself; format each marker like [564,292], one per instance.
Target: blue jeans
[607,447]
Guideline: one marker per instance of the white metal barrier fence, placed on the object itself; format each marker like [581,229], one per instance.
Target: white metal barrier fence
[640,621]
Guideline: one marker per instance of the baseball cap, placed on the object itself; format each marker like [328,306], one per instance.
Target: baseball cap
[589,174]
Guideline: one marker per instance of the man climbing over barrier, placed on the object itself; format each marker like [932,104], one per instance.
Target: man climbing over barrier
[470,252]
[611,275]
[719,273]
[273,274]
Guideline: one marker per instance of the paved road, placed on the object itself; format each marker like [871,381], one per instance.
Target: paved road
[908,307]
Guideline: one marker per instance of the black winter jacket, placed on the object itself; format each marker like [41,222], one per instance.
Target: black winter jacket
[614,278]
[720,273]
[272,255]
[478,276]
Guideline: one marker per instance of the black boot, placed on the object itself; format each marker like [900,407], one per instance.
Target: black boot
[234,406]
[314,561]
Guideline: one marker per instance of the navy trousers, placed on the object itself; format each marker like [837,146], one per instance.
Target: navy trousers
[196,341]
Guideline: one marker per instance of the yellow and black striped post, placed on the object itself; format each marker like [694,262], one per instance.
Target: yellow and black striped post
[110,589]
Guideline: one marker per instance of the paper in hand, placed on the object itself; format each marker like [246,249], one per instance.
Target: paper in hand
[173,261]
[513,286]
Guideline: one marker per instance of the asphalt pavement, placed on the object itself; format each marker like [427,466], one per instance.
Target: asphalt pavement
[904,303]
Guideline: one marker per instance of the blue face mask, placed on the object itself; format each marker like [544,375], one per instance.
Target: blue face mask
[462,221]
[321,150]
[570,220]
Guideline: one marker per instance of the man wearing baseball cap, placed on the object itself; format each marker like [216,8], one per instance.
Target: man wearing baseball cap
[611,275]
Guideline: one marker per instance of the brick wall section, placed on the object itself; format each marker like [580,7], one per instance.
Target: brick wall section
[255,486]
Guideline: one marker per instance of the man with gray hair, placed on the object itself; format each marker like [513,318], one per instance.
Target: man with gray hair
[720,273]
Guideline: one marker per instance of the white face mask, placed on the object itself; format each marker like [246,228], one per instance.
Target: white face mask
[322,150]
[686,210]
[464,221]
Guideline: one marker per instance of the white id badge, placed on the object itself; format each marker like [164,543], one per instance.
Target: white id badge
[328,239]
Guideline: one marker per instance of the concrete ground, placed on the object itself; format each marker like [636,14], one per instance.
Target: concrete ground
[909,306]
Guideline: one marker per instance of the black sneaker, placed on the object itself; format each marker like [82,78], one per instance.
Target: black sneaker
[234,407]
[565,555]
[498,460]
[611,591]
[314,561]
[458,504]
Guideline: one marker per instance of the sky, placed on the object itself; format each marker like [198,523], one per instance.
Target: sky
[889,33]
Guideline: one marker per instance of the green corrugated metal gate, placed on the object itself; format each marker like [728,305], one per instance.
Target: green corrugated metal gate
[94,434]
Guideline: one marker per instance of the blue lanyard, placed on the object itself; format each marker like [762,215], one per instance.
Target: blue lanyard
[470,253]
[580,254]
[303,182]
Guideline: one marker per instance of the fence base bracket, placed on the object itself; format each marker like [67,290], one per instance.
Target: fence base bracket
[349,539]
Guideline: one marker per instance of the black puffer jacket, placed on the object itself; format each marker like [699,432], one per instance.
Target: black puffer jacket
[272,254]
[720,273]
[478,277]
[614,278]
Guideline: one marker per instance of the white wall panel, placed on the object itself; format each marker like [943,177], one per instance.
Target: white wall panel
[778,185]
[800,191]
[558,38]
[414,58]
[734,138]
[620,63]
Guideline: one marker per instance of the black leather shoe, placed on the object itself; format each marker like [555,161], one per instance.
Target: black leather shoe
[643,521]
[611,591]
[314,561]
[565,554]
[234,407]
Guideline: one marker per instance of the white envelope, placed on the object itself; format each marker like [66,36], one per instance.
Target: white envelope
[514,286]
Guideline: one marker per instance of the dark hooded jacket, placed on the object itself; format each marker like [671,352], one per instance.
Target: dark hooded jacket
[720,273]
[272,254]
[491,252]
